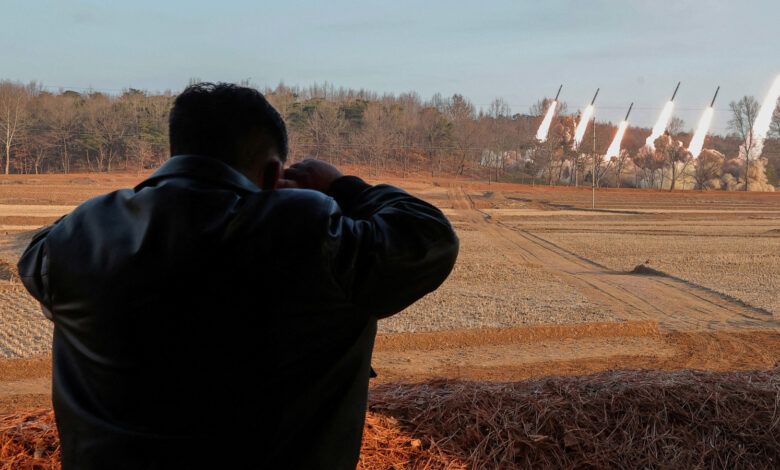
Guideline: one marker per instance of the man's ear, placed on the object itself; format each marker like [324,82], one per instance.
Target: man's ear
[270,174]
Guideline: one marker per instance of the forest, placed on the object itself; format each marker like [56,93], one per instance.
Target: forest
[91,131]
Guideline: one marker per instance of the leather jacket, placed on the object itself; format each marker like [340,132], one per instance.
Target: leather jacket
[200,322]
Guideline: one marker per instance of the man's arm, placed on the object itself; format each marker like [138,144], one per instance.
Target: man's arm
[33,268]
[387,248]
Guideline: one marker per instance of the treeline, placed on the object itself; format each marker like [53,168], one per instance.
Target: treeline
[70,131]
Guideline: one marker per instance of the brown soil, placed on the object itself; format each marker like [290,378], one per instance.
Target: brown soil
[642,269]
[19,369]
[414,357]
[25,383]
[662,322]
[8,271]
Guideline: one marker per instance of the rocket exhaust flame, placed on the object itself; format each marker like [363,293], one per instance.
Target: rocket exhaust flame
[660,124]
[614,147]
[697,142]
[579,133]
[587,113]
[663,120]
[763,120]
[541,134]
[544,128]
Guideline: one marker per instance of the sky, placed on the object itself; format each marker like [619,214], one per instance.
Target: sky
[521,51]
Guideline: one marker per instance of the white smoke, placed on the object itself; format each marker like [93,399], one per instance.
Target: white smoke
[697,142]
[763,121]
[660,124]
[544,128]
[734,169]
[614,147]
[582,125]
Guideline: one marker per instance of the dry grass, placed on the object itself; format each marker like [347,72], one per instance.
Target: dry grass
[28,441]
[613,419]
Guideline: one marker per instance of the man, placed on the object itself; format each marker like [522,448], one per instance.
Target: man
[205,319]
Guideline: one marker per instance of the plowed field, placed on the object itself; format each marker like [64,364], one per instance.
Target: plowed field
[544,284]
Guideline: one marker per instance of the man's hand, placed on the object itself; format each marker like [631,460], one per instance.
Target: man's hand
[310,174]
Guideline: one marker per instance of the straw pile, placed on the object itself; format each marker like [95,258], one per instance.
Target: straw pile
[28,441]
[613,419]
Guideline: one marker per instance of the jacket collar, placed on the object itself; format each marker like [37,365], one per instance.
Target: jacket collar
[200,167]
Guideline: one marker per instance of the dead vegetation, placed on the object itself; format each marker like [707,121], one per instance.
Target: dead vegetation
[28,441]
[613,419]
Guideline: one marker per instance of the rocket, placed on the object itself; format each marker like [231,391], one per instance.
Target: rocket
[594,96]
[629,110]
[675,91]
[716,95]
[559,92]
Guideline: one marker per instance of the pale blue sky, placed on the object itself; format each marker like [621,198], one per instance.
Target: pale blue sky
[517,50]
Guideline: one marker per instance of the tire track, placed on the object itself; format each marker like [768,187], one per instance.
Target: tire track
[675,304]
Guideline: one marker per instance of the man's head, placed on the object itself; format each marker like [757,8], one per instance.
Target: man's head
[230,123]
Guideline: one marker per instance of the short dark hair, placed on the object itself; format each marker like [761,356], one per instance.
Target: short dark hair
[215,119]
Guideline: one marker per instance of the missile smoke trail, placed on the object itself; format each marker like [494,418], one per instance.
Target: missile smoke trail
[614,147]
[660,124]
[763,120]
[587,113]
[541,134]
[663,120]
[582,125]
[697,142]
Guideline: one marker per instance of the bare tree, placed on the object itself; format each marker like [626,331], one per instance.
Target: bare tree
[436,131]
[462,114]
[499,109]
[743,115]
[774,127]
[675,156]
[620,164]
[13,98]
[541,106]
[651,163]
[675,126]
[559,144]
[410,133]
[707,168]
[63,121]
[324,126]
[107,123]
[379,134]
[39,147]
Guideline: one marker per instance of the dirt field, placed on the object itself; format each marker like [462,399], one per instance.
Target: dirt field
[543,284]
